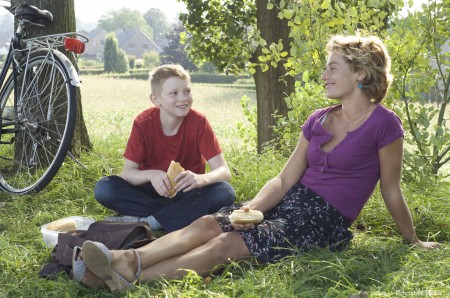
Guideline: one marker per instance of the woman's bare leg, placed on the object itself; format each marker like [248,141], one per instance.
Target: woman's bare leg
[218,251]
[176,243]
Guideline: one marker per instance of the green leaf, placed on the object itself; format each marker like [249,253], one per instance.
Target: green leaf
[269,6]
[325,5]
[264,67]
[288,13]
[353,12]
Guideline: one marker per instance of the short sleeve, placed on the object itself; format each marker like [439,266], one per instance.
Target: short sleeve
[207,141]
[135,149]
[390,130]
[307,127]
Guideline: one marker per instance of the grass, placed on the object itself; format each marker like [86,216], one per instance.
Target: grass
[377,262]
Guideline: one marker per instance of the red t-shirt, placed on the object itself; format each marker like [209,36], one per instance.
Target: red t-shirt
[191,146]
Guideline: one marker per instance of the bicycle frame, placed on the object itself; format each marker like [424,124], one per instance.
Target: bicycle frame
[38,102]
[20,49]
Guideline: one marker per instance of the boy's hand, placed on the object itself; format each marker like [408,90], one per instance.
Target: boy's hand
[161,183]
[187,180]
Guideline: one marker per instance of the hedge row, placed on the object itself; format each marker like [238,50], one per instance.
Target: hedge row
[208,78]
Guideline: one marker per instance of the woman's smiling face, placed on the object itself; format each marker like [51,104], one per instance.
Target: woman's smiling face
[339,80]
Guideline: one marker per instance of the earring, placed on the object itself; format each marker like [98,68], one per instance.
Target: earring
[360,85]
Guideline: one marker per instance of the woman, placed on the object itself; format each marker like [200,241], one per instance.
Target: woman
[342,153]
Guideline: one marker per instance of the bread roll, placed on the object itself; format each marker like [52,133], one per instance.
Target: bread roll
[173,170]
[242,216]
[62,225]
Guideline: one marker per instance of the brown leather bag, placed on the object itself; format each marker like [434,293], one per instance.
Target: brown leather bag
[115,235]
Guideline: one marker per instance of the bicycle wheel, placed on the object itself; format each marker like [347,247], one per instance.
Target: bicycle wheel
[37,124]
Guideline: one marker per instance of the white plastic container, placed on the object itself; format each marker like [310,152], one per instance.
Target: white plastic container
[51,237]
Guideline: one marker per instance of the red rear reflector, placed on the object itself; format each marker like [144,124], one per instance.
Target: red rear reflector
[74,45]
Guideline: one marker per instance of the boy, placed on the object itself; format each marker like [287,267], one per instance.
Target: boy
[169,131]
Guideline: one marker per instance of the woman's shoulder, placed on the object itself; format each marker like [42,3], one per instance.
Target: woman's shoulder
[322,111]
[382,112]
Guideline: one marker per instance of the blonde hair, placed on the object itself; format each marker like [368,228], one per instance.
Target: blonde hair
[367,54]
[163,72]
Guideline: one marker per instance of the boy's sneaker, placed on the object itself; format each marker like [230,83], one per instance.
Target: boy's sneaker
[124,218]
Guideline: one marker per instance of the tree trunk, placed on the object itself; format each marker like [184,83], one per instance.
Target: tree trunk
[272,86]
[63,21]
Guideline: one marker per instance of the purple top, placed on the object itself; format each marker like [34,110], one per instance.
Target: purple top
[346,176]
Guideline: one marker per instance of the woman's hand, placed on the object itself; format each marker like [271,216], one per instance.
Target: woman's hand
[243,226]
[427,245]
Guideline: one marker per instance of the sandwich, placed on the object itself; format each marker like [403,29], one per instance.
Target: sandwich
[173,170]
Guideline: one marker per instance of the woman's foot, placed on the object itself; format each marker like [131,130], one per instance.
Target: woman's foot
[98,260]
[83,275]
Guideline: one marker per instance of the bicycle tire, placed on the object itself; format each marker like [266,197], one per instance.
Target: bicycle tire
[37,130]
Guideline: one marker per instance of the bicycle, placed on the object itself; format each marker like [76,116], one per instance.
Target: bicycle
[37,102]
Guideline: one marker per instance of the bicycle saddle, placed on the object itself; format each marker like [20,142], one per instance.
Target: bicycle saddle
[33,14]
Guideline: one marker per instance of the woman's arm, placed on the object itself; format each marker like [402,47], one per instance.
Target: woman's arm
[390,174]
[276,188]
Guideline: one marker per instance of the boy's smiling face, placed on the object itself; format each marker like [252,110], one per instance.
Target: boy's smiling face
[175,98]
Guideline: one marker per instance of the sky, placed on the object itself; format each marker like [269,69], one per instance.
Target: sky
[90,11]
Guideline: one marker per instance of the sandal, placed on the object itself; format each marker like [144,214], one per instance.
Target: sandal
[78,266]
[97,259]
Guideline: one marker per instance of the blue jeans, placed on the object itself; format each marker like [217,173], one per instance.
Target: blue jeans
[115,193]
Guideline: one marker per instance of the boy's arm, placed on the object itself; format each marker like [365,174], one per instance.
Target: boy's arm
[219,170]
[133,175]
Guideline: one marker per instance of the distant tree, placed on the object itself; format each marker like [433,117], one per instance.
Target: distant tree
[157,20]
[174,51]
[115,59]
[151,59]
[122,65]
[110,52]
[124,19]
[131,61]
[63,21]
[208,67]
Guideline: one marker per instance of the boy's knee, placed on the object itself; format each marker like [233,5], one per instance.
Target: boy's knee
[103,188]
[227,193]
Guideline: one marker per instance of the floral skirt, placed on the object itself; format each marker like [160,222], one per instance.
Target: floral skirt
[301,221]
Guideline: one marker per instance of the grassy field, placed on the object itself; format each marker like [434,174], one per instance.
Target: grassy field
[377,263]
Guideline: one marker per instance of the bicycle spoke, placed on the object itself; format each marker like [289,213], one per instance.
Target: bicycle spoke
[39,126]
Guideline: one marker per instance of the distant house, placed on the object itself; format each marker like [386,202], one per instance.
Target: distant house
[135,42]
[94,48]
[132,41]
